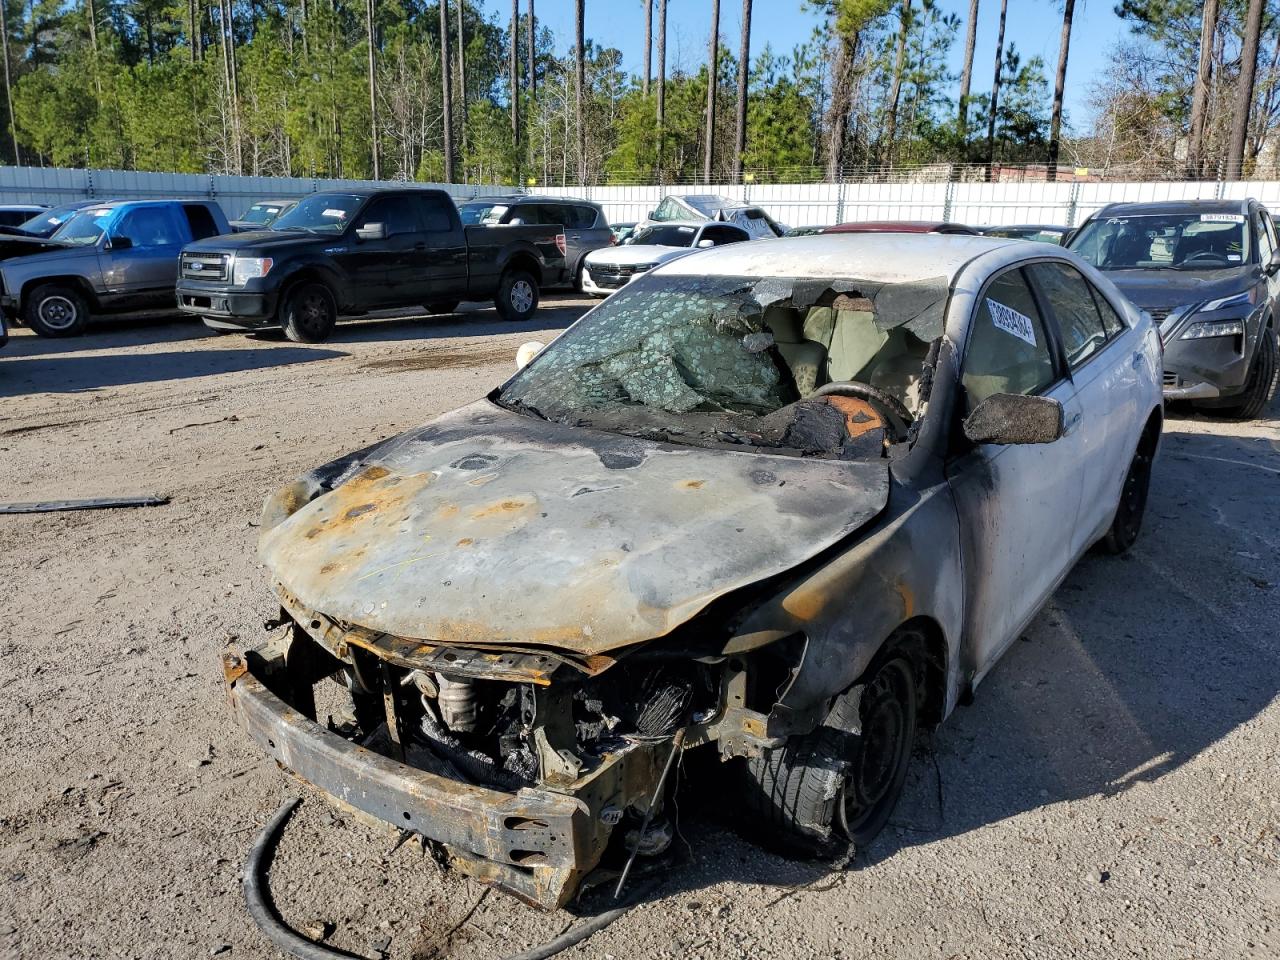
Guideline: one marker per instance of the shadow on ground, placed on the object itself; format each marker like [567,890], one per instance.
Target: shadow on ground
[1137,665]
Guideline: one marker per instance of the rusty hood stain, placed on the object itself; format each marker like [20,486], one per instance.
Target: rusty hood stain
[486,526]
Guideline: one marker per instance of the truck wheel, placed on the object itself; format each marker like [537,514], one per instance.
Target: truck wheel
[838,785]
[53,310]
[517,296]
[309,313]
[443,307]
[1261,386]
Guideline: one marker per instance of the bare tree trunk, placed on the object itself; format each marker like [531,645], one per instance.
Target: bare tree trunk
[966,72]
[1055,123]
[837,117]
[1244,93]
[373,83]
[993,106]
[580,22]
[446,93]
[744,69]
[895,88]
[648,46]
[8,89]
[462,80]
[303,28]
[713,81]
[1200,93]
[662,82]
[533,55]
[513,83]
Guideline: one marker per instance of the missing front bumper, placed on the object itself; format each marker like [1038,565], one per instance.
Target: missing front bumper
[536,844]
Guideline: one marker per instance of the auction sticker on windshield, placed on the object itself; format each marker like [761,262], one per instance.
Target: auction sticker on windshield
[1221,218]
[331,212]
[1011,321]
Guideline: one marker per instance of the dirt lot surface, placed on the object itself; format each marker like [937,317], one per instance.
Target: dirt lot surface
[1112,792]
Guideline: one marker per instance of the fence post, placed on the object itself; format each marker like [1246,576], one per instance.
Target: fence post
[88,182]
[1073,199]
[840,194]
[213,193]
[948,197]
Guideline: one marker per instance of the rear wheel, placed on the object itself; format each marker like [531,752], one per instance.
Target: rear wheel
[517,296]
[54,310]
[309,313]
[1261,388]
[1127,523]
[839,784]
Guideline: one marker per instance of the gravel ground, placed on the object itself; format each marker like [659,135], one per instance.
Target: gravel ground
[1113,790]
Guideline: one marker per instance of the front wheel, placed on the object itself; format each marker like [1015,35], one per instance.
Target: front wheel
[517,296]
[1261,387]
[309,313]
[53,310]
[839,784]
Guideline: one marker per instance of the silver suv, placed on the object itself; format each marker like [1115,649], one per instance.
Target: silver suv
[586,228]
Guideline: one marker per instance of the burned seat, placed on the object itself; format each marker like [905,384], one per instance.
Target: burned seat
[806,358]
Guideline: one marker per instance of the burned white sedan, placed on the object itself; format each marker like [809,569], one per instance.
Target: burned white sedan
[787,502]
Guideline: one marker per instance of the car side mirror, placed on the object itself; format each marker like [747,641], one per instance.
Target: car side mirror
[703,244]
[516,222]
[527,352]
[119,242]
[372,231]
[1273,265]
[1011,418]
[649,215]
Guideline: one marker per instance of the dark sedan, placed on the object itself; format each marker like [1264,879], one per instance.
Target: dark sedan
[1207,272]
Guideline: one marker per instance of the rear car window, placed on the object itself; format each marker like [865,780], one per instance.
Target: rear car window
[1074,308]
[1007,350]
[200,220]
[150,227]
[434,214]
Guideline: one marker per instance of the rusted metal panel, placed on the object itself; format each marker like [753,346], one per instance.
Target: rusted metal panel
[487,527]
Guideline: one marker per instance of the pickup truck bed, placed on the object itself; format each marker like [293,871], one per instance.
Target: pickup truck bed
[351,252]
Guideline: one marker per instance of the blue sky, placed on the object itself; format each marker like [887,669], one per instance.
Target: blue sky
[1033,25]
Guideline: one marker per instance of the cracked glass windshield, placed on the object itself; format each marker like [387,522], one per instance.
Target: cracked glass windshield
[825,367]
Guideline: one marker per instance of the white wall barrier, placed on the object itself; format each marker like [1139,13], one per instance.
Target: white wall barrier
[797,204]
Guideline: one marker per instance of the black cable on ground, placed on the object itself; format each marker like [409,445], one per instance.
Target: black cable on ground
[257,895]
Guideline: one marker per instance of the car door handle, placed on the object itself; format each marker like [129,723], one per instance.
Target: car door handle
[575,236]
[1136,362]
[1073,421]
[419,246]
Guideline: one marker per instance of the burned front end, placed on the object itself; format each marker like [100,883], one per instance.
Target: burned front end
[518,768]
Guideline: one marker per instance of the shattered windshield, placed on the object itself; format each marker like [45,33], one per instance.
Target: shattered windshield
[766,362]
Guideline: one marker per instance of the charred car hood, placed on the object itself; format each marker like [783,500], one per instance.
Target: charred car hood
[486,526]
[1167,288]
[19,245]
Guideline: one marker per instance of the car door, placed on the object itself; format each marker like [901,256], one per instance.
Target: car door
[1105,363]
[1017,505]
[440,271]
[139,256]
[1265,229]
[373,267]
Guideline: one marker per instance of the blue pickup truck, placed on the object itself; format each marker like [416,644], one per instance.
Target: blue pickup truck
[115,257]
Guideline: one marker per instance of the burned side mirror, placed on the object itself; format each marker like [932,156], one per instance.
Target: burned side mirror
[1011,418]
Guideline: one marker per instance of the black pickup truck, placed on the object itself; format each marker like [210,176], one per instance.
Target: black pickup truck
[349,252]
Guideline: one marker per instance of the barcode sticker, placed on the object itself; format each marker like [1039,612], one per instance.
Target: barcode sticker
[1221,218]
[1011,321]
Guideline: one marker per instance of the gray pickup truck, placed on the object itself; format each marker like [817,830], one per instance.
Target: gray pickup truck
[349,252]
[116,257]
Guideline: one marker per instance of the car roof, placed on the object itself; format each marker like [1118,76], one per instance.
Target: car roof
[281,201]
[1023,226]
[23,206]
[892,258]
[1156,207]
[899,226]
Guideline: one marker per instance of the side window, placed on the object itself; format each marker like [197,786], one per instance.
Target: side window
[434,214]
[1007,350]
[1074,308]
[584,217]
[1111,321]
[150,227]
[1266,242]
[1269,222]
[394,212]
[722,235]
[200,220]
